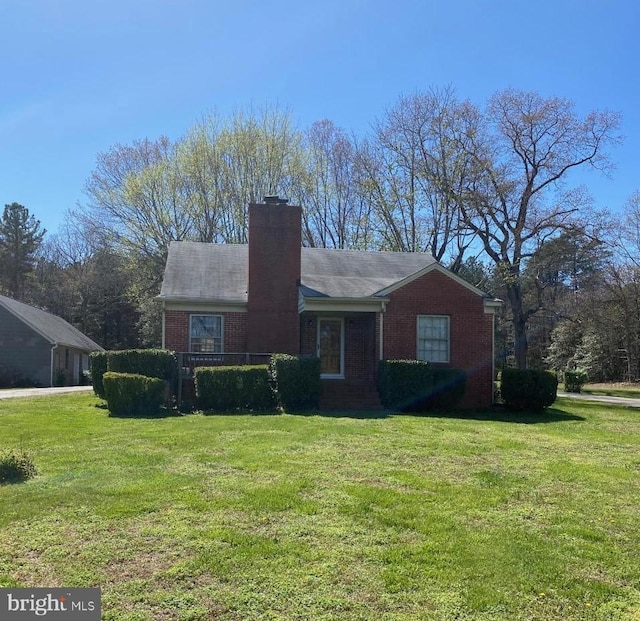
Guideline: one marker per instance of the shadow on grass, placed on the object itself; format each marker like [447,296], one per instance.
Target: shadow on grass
[362,414]
[503,415]
[163,413]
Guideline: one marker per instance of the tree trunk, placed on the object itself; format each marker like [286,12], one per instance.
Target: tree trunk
[521,344]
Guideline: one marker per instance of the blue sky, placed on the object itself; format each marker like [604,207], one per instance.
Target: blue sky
[78,76]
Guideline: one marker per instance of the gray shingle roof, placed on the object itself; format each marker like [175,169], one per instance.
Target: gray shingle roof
[198,271]
[357,274]
[53,328]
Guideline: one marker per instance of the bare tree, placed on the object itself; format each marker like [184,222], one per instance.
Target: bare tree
[523,149]
[137,196]
[335,213]
[414,173]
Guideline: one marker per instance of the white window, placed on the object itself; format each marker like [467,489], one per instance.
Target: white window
[205,334]
[433,338]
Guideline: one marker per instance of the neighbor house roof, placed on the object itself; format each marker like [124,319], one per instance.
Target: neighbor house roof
[202,272]
[51,327]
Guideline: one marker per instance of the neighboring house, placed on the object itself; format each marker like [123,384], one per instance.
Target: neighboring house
[41,347]
[349,308]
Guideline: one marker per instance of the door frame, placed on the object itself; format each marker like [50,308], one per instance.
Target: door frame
[339,375]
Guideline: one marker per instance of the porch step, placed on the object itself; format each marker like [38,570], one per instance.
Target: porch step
[349,395]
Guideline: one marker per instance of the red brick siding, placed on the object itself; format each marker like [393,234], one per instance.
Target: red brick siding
[360,353]
[308,334]
[275,243]
[470,329]
[176,330]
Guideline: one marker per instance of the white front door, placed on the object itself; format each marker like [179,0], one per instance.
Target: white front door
[331,346]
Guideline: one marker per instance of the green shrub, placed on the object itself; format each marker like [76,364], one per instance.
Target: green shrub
[449,387]
[417,386]
[159,363]
[234,388]
[131,394]
[296,381]
[16,467]
[62,377]
[10,378]
[99,362]
[528,389]
[574,380]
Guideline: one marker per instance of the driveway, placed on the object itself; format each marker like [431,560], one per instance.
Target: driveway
[627,401]
[13,393]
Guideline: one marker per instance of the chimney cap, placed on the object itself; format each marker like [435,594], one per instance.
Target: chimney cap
[275,200]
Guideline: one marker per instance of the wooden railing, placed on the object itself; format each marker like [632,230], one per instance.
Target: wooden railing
[188,361]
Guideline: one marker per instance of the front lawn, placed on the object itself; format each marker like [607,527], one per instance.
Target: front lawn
[311,517]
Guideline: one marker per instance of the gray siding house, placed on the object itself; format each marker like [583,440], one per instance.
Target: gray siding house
[40,346]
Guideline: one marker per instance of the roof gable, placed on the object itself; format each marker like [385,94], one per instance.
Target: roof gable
[51,327]
[430,268]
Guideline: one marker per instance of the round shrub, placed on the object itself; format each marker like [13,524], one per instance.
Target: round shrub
[528,389]
[574,380]
[16,467]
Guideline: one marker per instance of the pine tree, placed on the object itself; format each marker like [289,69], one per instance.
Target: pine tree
[20,238]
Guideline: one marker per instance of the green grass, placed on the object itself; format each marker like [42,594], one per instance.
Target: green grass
[309,517]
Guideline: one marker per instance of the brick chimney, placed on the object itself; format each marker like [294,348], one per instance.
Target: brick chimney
[275,241]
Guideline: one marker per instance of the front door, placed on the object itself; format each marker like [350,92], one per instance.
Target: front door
[331,346]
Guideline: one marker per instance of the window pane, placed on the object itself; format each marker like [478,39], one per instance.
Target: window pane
[206,333]
[433,338]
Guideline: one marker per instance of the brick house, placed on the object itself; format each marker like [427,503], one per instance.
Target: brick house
[349,308]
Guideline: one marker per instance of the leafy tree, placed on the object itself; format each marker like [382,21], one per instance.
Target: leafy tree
[565,340]
[20,239]
[558,275]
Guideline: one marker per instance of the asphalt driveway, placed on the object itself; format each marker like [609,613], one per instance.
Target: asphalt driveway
[13,393]
[627,401]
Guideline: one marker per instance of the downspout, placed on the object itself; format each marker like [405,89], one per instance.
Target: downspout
[381,346]
[164,307]
[53,348]
[493,357]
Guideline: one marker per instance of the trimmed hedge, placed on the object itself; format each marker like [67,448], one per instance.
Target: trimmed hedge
[296,382]
[528,389]
[233,388]
[131,394]
[417,386]
[159,363]
[99,366]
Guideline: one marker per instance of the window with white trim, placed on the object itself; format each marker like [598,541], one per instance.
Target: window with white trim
[433,338]
[205,334]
